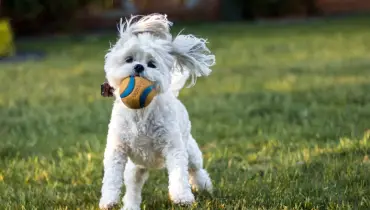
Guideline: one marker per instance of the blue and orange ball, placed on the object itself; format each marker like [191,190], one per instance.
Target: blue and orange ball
[136,92]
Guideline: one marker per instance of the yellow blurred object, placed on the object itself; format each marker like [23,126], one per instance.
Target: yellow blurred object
[6,39]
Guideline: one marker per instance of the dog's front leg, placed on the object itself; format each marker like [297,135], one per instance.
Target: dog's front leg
[135,178]
[176,158]
[115,160]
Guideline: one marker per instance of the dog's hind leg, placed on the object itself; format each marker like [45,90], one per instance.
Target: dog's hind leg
[198,176]
[135,178]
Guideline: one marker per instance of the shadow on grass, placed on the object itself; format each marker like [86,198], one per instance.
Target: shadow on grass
[336,179]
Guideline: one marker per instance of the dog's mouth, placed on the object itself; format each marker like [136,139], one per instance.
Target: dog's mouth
[155,83]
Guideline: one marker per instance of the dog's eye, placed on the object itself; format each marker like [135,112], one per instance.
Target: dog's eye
[151,64]
[129,59]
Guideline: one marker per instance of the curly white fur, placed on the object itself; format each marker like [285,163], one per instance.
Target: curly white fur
[159,135]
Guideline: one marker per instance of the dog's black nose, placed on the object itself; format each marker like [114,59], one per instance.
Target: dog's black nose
[139,68]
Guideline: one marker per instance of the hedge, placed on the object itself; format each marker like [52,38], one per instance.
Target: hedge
[28,16]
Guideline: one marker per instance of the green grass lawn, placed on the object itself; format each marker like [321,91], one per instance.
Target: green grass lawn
[282,121]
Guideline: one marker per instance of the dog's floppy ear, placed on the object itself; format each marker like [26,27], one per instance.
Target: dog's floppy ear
[106,90]
[192,55]
[156,24]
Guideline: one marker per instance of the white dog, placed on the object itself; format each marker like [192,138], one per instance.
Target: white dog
[159,135]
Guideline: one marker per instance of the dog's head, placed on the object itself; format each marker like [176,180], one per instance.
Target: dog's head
[145,47]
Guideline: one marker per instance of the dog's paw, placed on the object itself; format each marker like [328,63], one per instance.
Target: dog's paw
[200,181]
[182,198]
[108,204]
[131,207]
[203,187]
